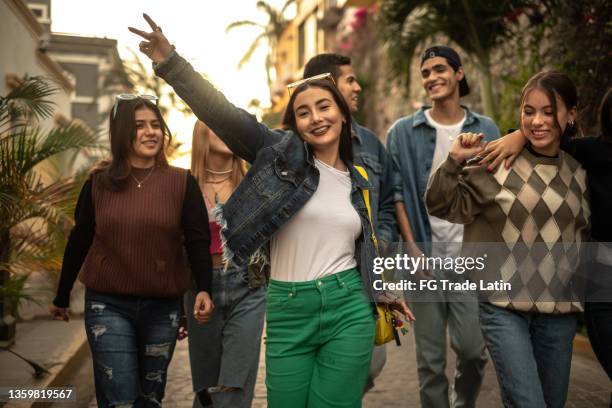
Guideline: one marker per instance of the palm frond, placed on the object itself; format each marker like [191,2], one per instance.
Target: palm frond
[29,98]
[29,147]
[243,23]
[268,9]
[286,6]
[249,53]
[405,26]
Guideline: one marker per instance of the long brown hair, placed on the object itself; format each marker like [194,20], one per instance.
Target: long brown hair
[115,171]
[200,150]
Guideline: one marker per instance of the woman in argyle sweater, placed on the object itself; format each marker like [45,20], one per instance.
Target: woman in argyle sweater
[539,208]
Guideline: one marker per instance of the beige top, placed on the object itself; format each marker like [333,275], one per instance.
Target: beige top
[319,240]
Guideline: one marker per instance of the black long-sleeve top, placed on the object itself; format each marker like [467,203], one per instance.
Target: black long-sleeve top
[595,155]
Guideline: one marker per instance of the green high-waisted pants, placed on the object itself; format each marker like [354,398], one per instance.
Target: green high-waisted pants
[319,341]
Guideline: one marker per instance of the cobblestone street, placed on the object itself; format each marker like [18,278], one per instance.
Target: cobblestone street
[398,384]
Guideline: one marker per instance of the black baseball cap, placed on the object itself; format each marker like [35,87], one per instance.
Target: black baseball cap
[453,60]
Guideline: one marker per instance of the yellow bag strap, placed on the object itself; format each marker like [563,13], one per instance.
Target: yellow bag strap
[366,198]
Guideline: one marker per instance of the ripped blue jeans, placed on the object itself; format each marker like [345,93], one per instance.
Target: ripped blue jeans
[132,340]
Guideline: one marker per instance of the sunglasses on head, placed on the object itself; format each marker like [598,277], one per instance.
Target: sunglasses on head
[129,97]
[328,76]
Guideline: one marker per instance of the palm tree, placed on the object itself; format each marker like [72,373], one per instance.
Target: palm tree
[270,32]
[477,26]
[34,211]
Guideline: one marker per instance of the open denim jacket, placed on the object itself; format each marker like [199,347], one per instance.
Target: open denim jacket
[281,180]
[370,153]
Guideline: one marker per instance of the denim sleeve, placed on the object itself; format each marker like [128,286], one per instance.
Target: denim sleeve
[387,227]
[394,165]
[492,131]
[241,131]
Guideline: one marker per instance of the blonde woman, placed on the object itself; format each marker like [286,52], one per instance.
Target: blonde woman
[224,354]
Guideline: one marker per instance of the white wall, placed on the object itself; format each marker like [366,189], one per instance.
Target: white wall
[18,45]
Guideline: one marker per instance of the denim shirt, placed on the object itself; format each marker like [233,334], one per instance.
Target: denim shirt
[370,153]
[282,177]
[411,142]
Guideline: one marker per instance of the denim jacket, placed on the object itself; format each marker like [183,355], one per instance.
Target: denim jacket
[282,177]
[370,153]
[411,142]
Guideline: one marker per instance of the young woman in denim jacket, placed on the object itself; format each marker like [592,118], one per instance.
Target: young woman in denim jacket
[302,200]
[224,354]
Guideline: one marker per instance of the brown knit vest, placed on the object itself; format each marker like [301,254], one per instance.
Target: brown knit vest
[138,244]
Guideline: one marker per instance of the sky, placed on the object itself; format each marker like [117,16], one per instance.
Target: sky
[195,27]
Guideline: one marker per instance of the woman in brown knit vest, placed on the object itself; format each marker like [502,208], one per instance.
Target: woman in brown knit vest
[134,215]
[224,354]
[538,209]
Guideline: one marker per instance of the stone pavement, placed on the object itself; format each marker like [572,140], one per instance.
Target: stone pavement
[398,385]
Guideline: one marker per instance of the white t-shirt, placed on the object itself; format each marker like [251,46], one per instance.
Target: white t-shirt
[442,230]
[319,240]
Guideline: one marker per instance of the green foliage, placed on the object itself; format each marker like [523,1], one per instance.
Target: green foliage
[515,39]
[35,208]
[579,42]
[13,293]
[477,26]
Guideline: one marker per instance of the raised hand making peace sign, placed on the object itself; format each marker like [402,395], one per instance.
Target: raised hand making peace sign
[156,46]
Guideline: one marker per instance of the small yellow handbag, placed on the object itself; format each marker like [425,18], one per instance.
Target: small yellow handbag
[385,328]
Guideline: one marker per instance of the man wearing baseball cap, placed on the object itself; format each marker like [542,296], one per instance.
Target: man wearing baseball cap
[418,144]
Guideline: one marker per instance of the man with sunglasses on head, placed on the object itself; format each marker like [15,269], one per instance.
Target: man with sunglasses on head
[370,153]
[417,145]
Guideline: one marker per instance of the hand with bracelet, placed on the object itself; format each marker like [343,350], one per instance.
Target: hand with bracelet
[397,304]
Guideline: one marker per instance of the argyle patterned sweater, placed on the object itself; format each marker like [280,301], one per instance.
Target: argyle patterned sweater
[539,208]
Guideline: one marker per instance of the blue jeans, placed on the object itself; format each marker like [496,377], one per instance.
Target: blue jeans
[532,353]
[132,340]
[225,351]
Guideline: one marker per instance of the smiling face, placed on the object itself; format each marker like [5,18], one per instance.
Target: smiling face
[439,79]
[148,140]
[539,124]
[318,118]
[348,86]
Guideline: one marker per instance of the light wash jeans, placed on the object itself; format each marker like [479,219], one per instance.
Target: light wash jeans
[457,314]
[532,353]
[225,351]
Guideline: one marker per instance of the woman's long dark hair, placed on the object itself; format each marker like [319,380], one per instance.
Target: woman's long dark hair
[289,121]
[554,83]
[115,171]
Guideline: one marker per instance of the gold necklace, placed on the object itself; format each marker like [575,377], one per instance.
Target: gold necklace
[140,182]
[217,181]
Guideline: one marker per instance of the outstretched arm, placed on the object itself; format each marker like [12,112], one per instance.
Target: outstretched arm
[241,131]
[506,148]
